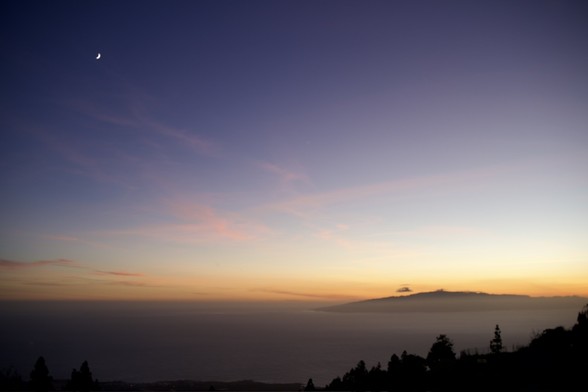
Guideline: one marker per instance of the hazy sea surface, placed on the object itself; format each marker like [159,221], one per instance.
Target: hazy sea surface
[264,342]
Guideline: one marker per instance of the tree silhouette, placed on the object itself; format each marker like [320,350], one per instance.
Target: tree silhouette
[10,380]
[441,361]
[441,352]
[356,378]
[414,372]
[582,318]
[310,385]
[41,381]
[496,343]
[554,360]
[82,380]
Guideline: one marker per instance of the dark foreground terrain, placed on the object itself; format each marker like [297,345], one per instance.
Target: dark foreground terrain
[554,360]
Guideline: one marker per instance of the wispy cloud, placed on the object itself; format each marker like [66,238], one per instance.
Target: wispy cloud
[442,232]
[81,160]
[136,115]
[118,273]
[302,294]
[207,219]
[132,283]
[47,284]
[11,264]
[285,176]
[183,136]
[69,238]
[25,265]
[303,205]
[336,235]
[194,222]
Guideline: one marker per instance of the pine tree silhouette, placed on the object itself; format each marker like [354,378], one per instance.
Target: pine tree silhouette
[41,381]
[496,346]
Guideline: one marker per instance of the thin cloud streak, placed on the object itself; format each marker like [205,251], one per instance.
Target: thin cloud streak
[196,223]
[118,273]
[186,233]
[67,238]
[302,294]
[302,204]
[26,265]
[205,222]
[17,265]
[131,284]
[137,118]
[285,176]
[81,162]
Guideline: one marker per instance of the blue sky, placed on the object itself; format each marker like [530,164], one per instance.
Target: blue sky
[292,150]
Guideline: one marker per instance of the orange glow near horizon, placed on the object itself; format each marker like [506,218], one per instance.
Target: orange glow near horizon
[83,284]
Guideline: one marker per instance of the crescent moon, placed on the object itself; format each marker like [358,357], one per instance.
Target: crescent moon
[98,57]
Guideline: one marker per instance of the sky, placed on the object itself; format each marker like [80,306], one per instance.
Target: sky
[292,150]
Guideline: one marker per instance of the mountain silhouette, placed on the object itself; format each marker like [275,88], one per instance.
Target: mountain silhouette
[456,301]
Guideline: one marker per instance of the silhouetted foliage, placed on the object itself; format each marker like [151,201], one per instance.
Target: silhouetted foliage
[413,372]
[496,346]
[41,381]
[441,352]
[310,385]
[554,360]
[82,380]
[10,380]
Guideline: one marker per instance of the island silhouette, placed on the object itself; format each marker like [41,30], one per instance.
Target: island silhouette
[457,301]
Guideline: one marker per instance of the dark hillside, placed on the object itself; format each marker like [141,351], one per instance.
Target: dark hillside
[554,360]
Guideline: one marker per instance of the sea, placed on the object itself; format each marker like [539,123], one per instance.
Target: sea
[269,342]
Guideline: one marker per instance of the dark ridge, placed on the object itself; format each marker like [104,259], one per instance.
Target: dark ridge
[456,301]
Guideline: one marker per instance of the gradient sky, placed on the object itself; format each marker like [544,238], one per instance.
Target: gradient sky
[299,150]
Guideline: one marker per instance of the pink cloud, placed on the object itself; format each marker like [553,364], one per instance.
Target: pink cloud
[210,220]
[335,236]
[194,222]
[205,220]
